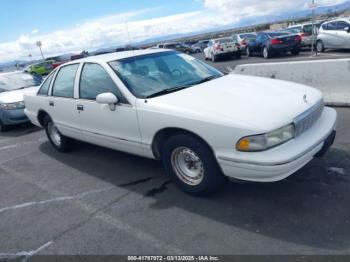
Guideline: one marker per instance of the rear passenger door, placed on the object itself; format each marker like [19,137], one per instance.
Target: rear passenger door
[343,36]
[61,104]
[100,125]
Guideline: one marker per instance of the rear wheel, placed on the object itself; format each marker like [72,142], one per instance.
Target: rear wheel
[248,52]
[191,165]
[266,53]
[60,142]
[2,127]
[320,46]
[213,58]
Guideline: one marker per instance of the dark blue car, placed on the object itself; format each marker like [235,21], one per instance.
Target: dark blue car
[268,44]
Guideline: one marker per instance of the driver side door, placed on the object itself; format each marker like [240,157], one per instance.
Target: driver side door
[100,125]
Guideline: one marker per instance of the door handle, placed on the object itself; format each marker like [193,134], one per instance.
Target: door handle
[51,103]
[80,107]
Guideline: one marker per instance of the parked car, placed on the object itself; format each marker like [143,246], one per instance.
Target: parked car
[334,35]
[221,47]
[201,124]
[243,40]
[200,46]
[271,43]
[305,32]
[12,88]
[178,47]
[43,68]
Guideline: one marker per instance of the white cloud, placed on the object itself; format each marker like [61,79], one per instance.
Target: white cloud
[111,30]
[249,8]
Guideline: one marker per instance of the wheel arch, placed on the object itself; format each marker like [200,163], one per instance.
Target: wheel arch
[164,134]
[41,116]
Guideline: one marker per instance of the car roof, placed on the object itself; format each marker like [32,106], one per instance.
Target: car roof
[338,19]
[117,56]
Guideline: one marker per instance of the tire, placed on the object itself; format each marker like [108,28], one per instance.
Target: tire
[178,152]
[296,52]
[60,142]
[248,52]
[320,46]
[213,58]
[266,53]
[3,128]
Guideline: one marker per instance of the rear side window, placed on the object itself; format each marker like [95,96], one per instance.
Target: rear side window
[95,80]
[44,89]
[64,83]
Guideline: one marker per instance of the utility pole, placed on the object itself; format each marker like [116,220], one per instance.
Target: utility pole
[38,44]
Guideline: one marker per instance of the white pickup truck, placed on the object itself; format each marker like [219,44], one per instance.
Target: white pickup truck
[203,126]
[222,47]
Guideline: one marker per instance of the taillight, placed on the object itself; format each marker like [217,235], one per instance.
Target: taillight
[298,38]
[304,34]
[244,42]
[275,41]
[218,47]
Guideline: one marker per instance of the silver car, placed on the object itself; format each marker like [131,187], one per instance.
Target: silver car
[12,88]
[334,34]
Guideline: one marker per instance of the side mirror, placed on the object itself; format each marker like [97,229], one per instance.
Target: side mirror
[347,29]
[107,99]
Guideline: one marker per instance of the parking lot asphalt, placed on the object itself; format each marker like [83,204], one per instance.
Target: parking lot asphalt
[98,201]
[228,64]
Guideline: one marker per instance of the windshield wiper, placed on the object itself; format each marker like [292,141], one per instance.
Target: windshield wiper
[207,79]
[174,89]
[168,91]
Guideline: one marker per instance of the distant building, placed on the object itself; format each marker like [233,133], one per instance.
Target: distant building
[278,26]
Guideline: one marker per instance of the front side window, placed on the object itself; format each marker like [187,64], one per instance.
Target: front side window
[330,26]
[150,74]
[64,82]
[341,25]
[95,80]
[44,89]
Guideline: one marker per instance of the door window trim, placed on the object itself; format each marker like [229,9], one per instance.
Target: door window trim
[55,78]
[126,103]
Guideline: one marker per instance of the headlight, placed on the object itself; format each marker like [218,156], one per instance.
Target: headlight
[9,106]
[266,141]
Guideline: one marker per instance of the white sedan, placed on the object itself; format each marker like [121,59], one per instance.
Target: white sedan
[204,126]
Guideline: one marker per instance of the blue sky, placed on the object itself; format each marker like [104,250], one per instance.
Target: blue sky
[48,15]
[70,26]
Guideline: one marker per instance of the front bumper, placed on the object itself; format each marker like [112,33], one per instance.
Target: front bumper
[13,117]
[280,162]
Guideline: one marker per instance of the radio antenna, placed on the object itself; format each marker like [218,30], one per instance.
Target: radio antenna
[129,38]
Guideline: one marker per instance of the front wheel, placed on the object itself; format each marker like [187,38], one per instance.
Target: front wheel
[266,53]
[191,165]
[60,142]
[296,52]
[319,46]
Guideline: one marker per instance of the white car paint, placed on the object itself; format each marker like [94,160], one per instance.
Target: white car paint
[17,95]
[220,112]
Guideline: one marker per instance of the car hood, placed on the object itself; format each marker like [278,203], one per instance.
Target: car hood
[17,95]
[238,100]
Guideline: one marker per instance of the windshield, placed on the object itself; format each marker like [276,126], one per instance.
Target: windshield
[276,34]
[150,74]
[248,36]
[16,81]
[223,40]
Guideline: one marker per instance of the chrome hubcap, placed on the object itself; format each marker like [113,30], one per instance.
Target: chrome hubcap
[265,52]
[54,134]
[187,166]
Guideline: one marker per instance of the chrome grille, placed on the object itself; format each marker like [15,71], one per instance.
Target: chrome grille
[307,119]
